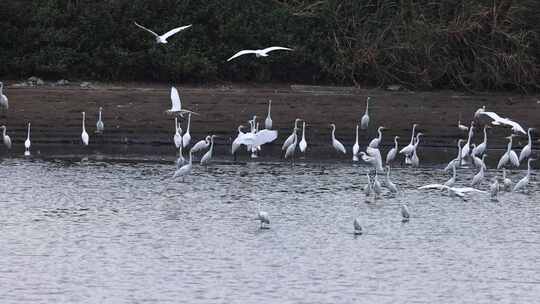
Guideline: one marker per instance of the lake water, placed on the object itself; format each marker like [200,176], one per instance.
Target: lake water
[124,232]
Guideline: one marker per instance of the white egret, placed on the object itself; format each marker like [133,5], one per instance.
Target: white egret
[525,180]
[479,177]
[526,151]
[292,147]
[452,181]
[374,143]
[389,184]
[462,127]
[456,161]
[4,102]
[336,143]
[497,120]
[408,150]
[377,185]
[236,142]
[262,216]
[27,142]
[357,226]
[186,138]
[479,111]
[259,53]
[201,145]
[177,138]
[290,139]
[176,104]
[507,183]
[7,139]
[163,38]
[415,161]
[303,143]
[466,150]
[481,148]
[364,122]
[208,155]
[477,161]
[84,135]
[255,138]
[494,189]
[356,147]
[392,153]
[100,127]
[509,155]
[268,120]
[185,169]
[369,187]
[405,214]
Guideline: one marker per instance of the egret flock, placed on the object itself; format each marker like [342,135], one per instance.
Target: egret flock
[255,137]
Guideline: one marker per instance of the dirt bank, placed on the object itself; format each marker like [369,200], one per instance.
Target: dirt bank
[134,114]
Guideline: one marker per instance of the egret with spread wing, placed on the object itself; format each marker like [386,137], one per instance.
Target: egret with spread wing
[163,38]
[260,53]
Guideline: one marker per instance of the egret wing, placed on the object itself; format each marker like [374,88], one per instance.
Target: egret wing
[175,98]
[174,31]
[243,52]
[265,136]
[147,29]
[276,48]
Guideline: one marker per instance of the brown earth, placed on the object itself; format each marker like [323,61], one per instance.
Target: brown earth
[135,120]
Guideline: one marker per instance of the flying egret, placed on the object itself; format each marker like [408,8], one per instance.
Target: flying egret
[336,143]
[497,120]
[392,153]
[357,226]
[303,143]
[260,53]
[208,155]
[408,150]
[176,104]
[509,155]
[4,102]
[481,148]
[292,147]
[479,111]
[27,142]
[290,139]
[478,177]
[374,143]
[364,122]
[525,180]
[456,161]
[494,189]
[163,38]
[7,139]
[356,147]
[185,169]
[462,127]
[262,216]
[405,213]
[466,150]
[201,145]
[415,161]
[389,184]
[186,138]
[526,151]
[377,185]
[507,183]
[100,127]
[84,135]
[177,138]
[452,181]
[268,120]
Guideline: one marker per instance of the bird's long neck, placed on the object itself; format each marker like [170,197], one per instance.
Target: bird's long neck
[412,135]
[333,132]
[269,108]
[4,131]
[454,171]
[395,142]
[83,116]
[211,144]
[380,134]
[367,106]
[99,114]
[1,88]
[304,130]
[459,150]
[509,147]
[529,135]
[188,122]
[356,134]
[296,124]
[28,134]
[176,124]
[470,134]
[485,135]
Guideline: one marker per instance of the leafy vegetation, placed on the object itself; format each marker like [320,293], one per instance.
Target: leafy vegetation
[464,44]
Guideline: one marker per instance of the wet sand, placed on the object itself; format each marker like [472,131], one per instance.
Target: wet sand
[135,119]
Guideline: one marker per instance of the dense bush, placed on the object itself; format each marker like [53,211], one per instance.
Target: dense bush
[491,44]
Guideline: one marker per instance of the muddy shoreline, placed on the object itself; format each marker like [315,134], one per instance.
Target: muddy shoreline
[135,121]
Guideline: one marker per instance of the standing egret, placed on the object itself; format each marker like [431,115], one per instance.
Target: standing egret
[462,127]
[451,182]
[364,122]
[236,142]
[7,139]
[303,142]
[369,187]
[466,150]
[525,180]
[415,161]
[336,143]
[392,153]
[481,148]
[494,189]
[100,127]
[478,177]
[268,120]
[262,216]
[389,184]
[27,142]
[186,138]
[408,150]
[405,213]
[357,226]
[356,147]
[526,151]
[374,143]
[185,169]
[292,147]
[208,155]
[84,135]
[507,183]
[4,103]
[456,161]
[163,38]
[290,139]
[259,53]
[177,134]
[509,155]
[201,145]
[377,185]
